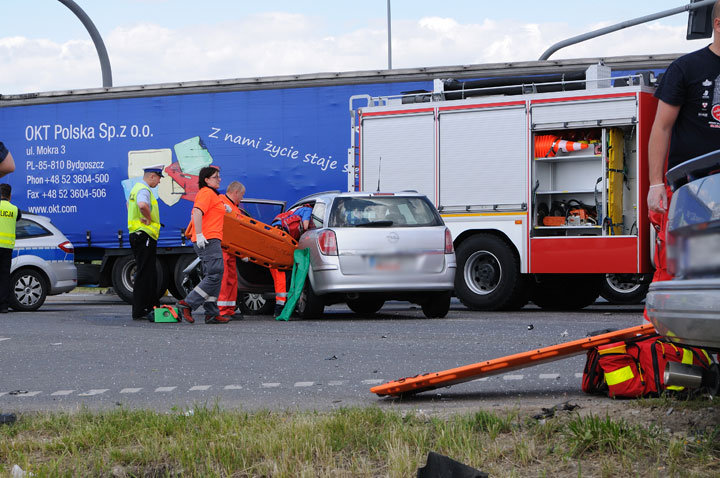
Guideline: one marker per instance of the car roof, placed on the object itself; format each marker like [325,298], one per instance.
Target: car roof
[329,195]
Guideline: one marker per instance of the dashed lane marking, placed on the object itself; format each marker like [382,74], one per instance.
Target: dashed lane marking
[4,338]
[484,379]
[549,376]
[372,381]
[513,377]
[94,391]
[232,387]
[199,388]
[335,383]
[29,394]
[164,389]
[130,390]
[270,385]
[304,384]
[61,393]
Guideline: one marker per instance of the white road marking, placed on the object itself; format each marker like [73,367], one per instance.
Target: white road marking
[3,393]
[578,375]
[94,391]
[130,390]
[270,385]
[164,389]
[484,379]
[29,394]
[335,383]
[304,384]
[199,388]
[4,338]
[62,392]
[372,381]
[549,376]
[233,387]
[513,377]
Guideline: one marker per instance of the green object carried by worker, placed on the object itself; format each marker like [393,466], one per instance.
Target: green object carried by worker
[165,313]
[301,265]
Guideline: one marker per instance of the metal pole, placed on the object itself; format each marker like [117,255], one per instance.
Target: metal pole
[389,37]
[620,26]
[96,38]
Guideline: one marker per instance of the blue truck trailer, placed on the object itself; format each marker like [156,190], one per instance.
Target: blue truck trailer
[78,153]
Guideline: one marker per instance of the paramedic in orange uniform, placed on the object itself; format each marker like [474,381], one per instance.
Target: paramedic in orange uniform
[205,230]
[227,300]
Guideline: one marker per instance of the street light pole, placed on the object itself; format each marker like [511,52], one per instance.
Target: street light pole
[389,37]
[96,38]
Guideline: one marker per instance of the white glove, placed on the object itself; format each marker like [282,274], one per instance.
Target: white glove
[200,240]
[228,208]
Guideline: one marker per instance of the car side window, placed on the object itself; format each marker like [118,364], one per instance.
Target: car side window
[318,216]
[26,228]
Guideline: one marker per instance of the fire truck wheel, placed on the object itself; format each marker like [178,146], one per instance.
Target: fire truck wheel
[123,277]
[566,291]
[488,276]
[620,289]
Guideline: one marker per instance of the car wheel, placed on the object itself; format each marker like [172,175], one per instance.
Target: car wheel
[176,287]
[29,290]
[618,289]
[123,278]
[488,276]
[309,305]
[566,292]
[254,304]
[366,304]
[437,306]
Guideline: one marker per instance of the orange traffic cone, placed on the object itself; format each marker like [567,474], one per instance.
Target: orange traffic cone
[543,146]
[568,146]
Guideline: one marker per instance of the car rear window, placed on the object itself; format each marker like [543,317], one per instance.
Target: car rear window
[383,211]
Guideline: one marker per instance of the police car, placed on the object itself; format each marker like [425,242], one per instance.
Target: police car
[42,264]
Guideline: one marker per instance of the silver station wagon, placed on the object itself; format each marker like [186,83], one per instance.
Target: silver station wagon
[367,248]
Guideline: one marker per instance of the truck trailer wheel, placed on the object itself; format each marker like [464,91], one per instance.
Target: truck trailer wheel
[566,291]
[621,289]
[175,283]
[123,278]
[488,275]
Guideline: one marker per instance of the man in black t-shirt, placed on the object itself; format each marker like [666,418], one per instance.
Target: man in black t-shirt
[687,124]
[7,165]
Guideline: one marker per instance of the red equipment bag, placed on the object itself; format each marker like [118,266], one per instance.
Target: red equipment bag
[290,222]
[635,368]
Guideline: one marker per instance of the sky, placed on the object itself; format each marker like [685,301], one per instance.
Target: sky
[44,47]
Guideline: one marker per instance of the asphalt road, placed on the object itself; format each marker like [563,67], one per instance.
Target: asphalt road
[83,350]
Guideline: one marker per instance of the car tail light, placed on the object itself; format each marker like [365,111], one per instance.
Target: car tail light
[448,242]
[67,247]
[328,243]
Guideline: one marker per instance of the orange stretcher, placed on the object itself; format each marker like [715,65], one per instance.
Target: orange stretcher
[431,381]
[264,245]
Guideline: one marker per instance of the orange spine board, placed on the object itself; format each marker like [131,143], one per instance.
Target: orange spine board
[445,378]
[262,244]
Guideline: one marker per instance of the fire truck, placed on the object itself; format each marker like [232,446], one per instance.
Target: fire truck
[542,180]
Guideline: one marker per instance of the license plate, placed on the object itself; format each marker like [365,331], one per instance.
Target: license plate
[702,253]
[391,263]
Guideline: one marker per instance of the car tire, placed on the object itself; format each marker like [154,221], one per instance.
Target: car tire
[309,305]
[617,291]
[566,292]
[437,306]
[366,304]
[254,304]
[488,276]
[175,286]
[29,288]
[123,278]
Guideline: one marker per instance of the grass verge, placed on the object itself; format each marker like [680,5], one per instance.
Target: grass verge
[346,442]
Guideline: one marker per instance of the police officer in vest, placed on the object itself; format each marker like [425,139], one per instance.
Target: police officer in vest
[9,216]
[144,228]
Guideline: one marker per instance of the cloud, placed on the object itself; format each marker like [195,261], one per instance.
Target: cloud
[278,43]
